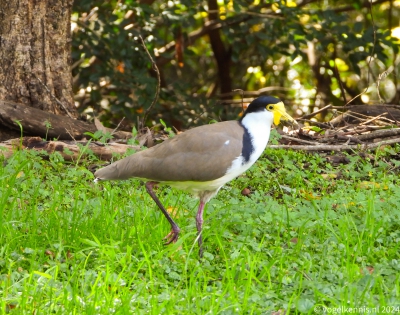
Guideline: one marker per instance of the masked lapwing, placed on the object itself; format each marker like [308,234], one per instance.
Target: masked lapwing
[203,159]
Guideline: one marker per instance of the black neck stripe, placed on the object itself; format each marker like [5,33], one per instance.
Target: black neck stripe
[248,147]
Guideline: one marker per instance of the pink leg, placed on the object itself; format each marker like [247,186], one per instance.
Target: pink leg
[199,225]
[172,236]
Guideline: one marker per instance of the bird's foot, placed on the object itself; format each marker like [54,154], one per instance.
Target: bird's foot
[172,236]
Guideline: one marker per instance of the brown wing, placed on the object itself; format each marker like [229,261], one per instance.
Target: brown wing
[199,154]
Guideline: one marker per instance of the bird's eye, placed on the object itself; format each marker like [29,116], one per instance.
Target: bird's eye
[270,107]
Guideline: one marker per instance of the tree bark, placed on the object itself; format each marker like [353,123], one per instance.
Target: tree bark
[35,54]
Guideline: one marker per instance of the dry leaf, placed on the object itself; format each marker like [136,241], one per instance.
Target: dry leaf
[100,126]
[48,252]
[246,191]
[370,185]
[294,240]
[370,269]
[328,176]
[309,195]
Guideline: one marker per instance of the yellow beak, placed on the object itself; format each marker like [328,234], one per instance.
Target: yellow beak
[280,113]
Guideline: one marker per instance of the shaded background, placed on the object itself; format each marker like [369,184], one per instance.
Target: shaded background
[310,53]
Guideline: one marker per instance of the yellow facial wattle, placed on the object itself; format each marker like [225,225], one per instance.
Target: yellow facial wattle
[280,113]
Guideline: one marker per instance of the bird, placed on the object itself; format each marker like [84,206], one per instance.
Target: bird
[202,159]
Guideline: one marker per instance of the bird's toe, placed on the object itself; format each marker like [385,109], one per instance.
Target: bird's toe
[172,236]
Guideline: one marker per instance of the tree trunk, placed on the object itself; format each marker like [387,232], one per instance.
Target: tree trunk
[221,54]
[35,54]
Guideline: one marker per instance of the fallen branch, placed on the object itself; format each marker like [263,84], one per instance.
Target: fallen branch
[70,150]
[384,133]
[37,122]
[358,113]
[299,140]
[337,148]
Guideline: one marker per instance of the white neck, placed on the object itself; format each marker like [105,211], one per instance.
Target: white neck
[259,126]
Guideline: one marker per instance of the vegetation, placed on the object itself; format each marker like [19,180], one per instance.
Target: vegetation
[310,53]
[310,235]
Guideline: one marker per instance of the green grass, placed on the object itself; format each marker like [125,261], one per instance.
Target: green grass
[310,235]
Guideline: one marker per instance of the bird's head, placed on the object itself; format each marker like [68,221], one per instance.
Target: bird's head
[270,104]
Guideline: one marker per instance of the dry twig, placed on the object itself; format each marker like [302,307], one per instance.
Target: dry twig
[317,112]
[54,97]
[155,68]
